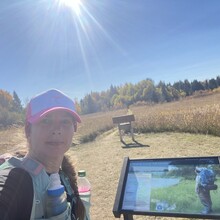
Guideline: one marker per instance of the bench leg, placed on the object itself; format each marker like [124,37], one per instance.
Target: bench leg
[132,133]
[120,134]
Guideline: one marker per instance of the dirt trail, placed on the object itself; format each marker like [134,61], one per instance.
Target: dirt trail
[12,140]
[103,158]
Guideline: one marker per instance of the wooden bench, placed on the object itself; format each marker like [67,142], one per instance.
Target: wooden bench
[124,123]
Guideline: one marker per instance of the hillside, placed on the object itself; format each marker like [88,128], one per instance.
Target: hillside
[147,115]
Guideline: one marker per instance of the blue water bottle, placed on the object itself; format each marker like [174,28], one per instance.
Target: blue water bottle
[56,200]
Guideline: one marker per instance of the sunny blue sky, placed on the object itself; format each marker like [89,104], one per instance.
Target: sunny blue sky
[52,44]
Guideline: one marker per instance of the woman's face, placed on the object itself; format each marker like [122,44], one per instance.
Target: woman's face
[52,135]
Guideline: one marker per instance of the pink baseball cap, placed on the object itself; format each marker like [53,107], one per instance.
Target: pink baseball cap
[49,101]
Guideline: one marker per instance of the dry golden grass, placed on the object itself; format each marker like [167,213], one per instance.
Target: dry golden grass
[12,139]
[193,115]
[94,124]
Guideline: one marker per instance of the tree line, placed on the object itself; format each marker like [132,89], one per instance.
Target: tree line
[145,91]
[116,97]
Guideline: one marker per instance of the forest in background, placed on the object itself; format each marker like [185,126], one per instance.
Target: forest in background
[144,92]
[116,97]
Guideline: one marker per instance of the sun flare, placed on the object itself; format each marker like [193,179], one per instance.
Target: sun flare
[75,5]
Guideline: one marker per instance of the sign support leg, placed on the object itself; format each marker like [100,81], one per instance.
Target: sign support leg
[128,217]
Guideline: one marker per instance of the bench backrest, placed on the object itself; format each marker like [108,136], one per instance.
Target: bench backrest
[123,119]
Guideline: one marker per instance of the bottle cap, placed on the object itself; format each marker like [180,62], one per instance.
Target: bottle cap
[55,192]
[81,173]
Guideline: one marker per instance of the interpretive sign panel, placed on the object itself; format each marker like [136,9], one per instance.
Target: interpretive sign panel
[178,187]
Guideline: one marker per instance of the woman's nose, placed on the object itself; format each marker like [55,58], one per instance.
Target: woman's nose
[57,129]
[55,132]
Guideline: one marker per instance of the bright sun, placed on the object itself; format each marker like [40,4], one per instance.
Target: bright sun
[75,5]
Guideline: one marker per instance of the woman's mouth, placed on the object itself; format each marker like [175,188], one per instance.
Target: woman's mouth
[54,143]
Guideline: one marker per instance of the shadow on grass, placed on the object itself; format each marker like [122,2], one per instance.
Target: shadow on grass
[133,144]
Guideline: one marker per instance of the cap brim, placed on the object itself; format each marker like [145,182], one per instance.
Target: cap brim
[40,115]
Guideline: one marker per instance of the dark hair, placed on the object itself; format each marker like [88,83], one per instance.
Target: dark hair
[69,169]
[27,128]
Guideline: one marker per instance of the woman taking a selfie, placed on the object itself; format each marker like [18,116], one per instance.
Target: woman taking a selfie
[51,121]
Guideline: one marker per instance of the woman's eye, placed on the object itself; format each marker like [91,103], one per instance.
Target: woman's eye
[67,122]
[46,121]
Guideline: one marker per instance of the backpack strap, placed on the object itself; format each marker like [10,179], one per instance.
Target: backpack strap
[70,194]
[31,166]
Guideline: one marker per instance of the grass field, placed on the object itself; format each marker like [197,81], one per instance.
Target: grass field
[160,130]
[200,114]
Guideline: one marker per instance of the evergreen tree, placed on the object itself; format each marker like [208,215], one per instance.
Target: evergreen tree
[16,104]
[206,84]
[179,85]
[112,91]
[88,105]
[165,92]
[218,80]
[187,88]
[212,84]
[196,86]
[149,91]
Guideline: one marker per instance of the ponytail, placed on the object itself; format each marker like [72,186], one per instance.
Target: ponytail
[69,169]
